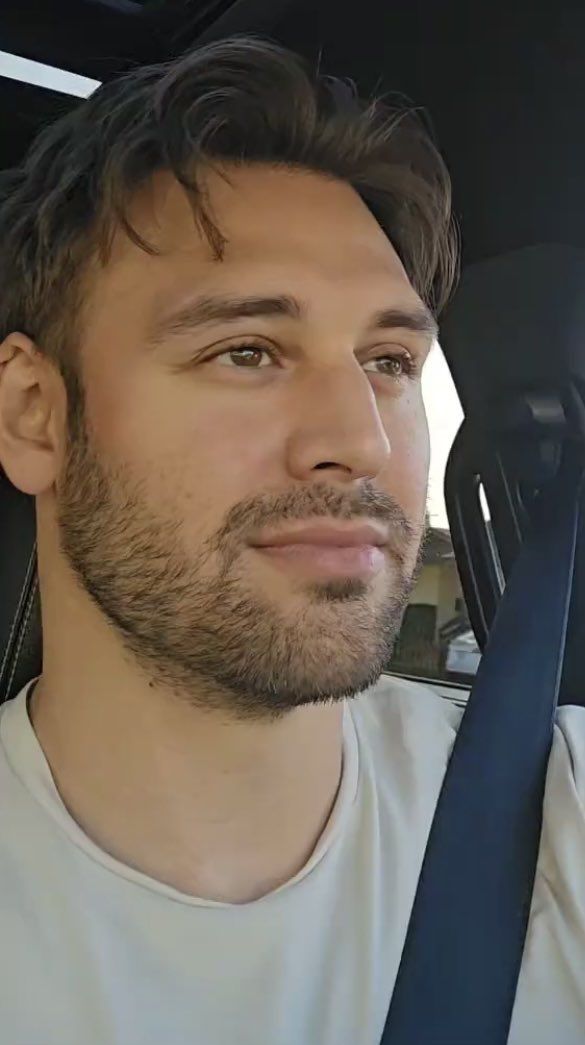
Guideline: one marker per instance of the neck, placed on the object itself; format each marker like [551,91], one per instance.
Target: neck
[220,809]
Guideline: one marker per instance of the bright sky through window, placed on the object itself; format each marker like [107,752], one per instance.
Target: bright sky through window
[445,416]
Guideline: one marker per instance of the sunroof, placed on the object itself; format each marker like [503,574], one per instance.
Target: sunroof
[14,67]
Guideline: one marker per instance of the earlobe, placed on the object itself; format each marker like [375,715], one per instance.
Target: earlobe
[27,450]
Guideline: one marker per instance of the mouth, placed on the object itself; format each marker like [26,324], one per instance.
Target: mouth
[362,560]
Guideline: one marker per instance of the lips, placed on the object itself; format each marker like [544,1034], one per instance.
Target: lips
[332,536]
[332,561]
[329,550]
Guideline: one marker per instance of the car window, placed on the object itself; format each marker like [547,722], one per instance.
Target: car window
[436,641]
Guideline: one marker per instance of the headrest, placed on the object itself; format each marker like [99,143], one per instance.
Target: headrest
[516,320]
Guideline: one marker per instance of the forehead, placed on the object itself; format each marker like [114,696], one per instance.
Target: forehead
[285,230]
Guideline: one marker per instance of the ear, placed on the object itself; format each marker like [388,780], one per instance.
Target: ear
[28,415]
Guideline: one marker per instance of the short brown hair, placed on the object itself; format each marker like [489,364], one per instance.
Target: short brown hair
[244,100]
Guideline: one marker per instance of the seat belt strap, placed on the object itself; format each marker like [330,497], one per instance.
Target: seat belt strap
[457,979]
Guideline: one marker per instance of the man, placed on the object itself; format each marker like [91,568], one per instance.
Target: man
[219,283]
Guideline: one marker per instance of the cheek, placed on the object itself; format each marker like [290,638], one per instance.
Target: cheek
[197,457]
[214,467]
[410,457]
[222,448]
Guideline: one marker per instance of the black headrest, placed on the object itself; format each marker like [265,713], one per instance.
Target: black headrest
[20,610]
[516,320]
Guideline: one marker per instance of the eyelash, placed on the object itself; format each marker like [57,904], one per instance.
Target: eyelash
[410,367]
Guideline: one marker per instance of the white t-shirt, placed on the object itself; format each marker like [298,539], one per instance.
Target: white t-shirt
[94,953]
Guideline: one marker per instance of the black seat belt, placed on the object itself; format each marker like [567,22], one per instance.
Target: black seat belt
[458,975]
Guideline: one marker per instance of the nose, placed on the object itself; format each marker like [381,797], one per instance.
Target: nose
[337,425]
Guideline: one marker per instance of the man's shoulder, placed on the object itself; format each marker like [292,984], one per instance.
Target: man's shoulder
[568,750]
[395,698]
[400,716]
[409,718]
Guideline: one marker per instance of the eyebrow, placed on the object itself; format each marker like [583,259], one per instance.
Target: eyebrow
[206,309]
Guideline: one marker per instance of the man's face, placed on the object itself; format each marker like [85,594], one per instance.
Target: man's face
[198,438]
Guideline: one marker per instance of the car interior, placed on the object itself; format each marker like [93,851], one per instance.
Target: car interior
[502,86]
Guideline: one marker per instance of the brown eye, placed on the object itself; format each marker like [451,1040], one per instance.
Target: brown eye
[396,366]
[248,355]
